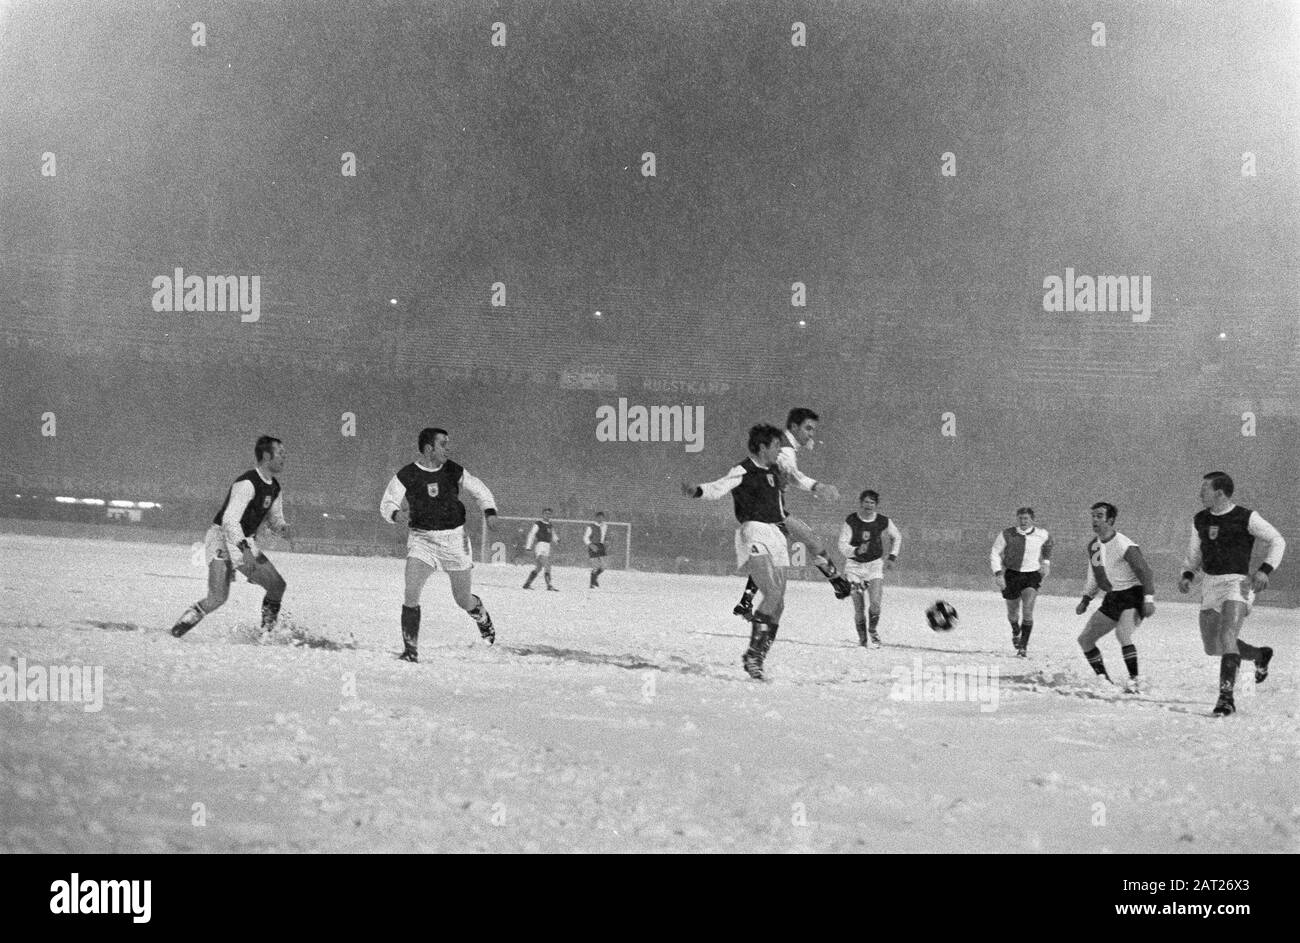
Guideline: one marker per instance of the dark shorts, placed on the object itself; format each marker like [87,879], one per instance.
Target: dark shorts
[595,549]
[1116,601]
[1018,582]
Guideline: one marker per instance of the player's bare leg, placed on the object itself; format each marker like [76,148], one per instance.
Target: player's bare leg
[1013,616]
[1027,597]
[1219,635]
[1098,626]
[417,574]
[875,593]
[800,531]
[771,581]
[1129,620]
[265,575]
[462,582]
[220,576]
[859,613]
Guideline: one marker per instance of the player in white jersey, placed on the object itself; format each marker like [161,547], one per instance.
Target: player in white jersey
[252,502]
[541,538]
[870,543]
[1021,559]
[800,429]
[1223,537]
[1117,568]
[594,538]
[436,537]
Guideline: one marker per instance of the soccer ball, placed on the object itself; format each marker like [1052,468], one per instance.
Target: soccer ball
[942,616]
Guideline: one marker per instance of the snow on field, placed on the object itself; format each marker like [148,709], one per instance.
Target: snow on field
[610,720]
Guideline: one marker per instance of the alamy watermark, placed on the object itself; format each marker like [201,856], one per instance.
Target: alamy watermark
[624,423]
[181,292]
[977,684]
[72,684]
[1130,293]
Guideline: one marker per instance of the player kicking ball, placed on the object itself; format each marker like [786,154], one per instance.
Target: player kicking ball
[760,543]
[862,541]
[435,518]
[231,542]
[1117,568]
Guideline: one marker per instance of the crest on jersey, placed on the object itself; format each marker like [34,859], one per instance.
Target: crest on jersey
[1213,531]
[266,502]
[433,489]
[771,481]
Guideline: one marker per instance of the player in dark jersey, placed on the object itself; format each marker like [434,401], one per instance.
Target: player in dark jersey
[231,542]
[594,538]
[435,518]
[1223,536]
[1117,568]
[760,543]
[800,433]
[541,538]
[865,539]
[1021,559]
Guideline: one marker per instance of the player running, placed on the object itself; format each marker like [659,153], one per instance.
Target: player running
[800,428]
[1021,559]
[1117,568]
[540,540]
[862,541]
[1223,535]
[435,518]
[594,538]
[760,543]
[231,542]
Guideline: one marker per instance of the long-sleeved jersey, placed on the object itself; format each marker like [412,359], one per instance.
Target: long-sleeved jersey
[1116,564]
[1222,543]
[1022,550]
[787,463]
[433,496]
[863,540]
[755,489]
[541,532]
[595,533]
[250,501]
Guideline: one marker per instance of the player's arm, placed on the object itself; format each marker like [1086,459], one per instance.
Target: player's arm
[587,536]
[1045,557]
[1191,562]
[845,542]
[713,490]
[895,542]
[532,537]
[1139,564]
[482,496]
[241,493]
[275,521]
[390,505]
[786,461]
[1089,587]
[1261,529]
[995,559]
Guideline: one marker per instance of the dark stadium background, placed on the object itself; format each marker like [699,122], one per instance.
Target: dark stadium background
[520,164]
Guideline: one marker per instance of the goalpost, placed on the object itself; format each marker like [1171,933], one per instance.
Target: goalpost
[506,545]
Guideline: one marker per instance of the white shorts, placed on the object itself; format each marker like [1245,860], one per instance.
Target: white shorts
[1226,587]
[448,550]
[856,571]
[542,549]
[756,539]
[215,547]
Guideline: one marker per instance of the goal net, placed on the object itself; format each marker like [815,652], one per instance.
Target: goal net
[506,543]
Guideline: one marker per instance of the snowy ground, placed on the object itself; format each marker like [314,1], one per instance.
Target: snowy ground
[609,720]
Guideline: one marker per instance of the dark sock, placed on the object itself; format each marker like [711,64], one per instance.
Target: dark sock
[477,613]
[1098,663]
[1015,630]
[1025,629]
[270,612]
[1228,673]
[875,621]
[1131,659]
[410,628]
[1247,651]
[760,628]
[828,569]
[750,589]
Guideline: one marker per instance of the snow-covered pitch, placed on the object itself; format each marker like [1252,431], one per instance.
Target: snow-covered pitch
[615,719]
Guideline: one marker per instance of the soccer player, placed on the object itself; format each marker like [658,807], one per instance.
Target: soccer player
[231,542]
[1117,568]
[435,518]
[862,541]
[1021,558]
[540,540]
[800,428]
[594,538]
[760,543]
[1223,535]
